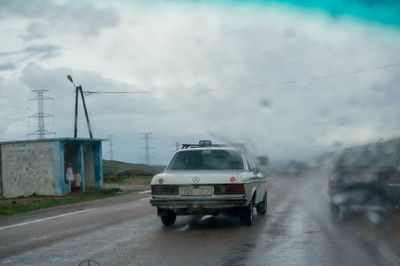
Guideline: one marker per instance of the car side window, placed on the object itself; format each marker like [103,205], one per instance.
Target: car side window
[250,166]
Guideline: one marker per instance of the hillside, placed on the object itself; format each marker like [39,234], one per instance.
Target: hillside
[116,171]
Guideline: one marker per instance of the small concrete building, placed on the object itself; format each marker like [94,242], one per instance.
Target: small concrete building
[39,166]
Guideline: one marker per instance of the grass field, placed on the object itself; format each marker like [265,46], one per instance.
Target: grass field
[35,202]
[132,180]
[112,172]
[112,168]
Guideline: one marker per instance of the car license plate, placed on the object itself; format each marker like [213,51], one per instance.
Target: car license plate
[364,178]
[198,191]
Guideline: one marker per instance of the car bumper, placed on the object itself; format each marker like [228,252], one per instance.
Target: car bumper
[361,193]
[200,206]
[198,203]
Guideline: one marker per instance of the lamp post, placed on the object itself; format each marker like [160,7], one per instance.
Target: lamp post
[78,89]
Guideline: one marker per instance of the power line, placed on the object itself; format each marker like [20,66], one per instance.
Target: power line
[41,132]
[146,137]
[310,79]
[331,76]
[87,93]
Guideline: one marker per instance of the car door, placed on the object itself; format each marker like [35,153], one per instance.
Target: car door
[257,179]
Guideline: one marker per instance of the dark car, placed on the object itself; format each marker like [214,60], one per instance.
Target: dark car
[364,178]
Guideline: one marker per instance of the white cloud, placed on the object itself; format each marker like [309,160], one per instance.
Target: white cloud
[49,17]
[214,73]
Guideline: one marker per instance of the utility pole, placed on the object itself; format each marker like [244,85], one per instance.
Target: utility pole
[146,137]
[41,131]
[110,147]
[78,89]
[177,144]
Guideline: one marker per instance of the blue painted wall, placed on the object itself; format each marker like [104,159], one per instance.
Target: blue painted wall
[98,165]
[80,163]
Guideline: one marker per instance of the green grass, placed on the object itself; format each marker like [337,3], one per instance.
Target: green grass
[128,179]
[35,202]
[112,168]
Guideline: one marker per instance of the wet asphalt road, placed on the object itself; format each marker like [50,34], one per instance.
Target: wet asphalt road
[296,231]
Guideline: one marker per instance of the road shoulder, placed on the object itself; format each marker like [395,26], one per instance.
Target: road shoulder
[53,211]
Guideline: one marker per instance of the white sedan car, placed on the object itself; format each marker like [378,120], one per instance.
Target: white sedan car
[205,179]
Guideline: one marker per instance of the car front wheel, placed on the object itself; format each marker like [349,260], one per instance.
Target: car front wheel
[168,218]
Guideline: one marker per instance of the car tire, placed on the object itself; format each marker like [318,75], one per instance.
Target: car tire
[168,218]
[335,211]
[262,206]
[247,214]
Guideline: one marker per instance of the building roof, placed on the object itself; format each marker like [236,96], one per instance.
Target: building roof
[51,140]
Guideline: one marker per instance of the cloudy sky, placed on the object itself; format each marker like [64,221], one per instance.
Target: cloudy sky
[290,80]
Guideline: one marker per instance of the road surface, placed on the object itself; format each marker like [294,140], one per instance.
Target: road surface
[296,231]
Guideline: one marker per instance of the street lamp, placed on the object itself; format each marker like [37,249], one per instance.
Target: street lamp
[70,79]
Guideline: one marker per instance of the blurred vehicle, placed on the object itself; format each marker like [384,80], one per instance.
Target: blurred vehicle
[291,168]
[362,179]
[295,168]
[209,179]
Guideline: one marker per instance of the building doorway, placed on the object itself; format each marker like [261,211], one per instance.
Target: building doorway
[71,155]
[88,163]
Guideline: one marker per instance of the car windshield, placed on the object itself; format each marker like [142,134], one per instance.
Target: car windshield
[371,159]
[195,102]
[206,160]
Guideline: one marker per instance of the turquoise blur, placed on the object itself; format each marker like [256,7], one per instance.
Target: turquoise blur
[384,12]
